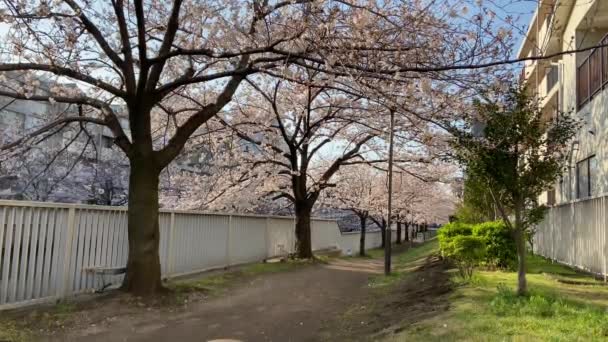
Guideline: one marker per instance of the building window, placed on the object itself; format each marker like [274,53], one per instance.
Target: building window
[552,77]
[551,196]
[106,142]
[586,173]
[591,74]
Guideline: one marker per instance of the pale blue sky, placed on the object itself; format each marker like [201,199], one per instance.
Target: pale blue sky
[521,11]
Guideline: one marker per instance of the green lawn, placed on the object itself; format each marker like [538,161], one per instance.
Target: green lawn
[487,309]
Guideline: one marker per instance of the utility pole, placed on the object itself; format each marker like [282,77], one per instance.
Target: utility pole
[387,245]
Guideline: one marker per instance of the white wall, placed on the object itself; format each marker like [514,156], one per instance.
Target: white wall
[47,247]
[593,114]
[575,234]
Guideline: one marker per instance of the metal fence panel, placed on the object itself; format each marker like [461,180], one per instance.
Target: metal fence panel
[281,236]
[46,248]
[247,240]
[575,234]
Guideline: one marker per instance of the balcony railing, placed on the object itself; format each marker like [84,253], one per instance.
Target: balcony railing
[592,74]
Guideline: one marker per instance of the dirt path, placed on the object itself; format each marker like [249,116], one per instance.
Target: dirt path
[322,302]
[421,294]
[290,306]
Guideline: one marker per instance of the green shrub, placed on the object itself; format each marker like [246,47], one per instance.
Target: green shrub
[500,245]
[451,230]
[466,251]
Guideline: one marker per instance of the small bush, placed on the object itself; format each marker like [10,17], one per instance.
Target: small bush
[500,245]
[451,230]
[466,251]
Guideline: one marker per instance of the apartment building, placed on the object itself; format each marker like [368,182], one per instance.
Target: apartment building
[573,83]
[66,166]
[90,169]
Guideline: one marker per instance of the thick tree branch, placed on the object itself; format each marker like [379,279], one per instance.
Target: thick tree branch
[48,127]
[172,27]
[63,71]
[96,33]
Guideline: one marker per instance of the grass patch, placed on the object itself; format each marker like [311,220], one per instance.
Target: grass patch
[487,309]
[9,331]
[404,263]
[374,253]
[21,329]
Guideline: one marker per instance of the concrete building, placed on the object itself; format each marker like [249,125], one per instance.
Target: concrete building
[573,83]
[84,168]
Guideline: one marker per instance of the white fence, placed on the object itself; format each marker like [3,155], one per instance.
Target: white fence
[575,234]
[45,248]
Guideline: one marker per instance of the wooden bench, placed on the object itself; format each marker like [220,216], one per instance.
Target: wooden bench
[105,271]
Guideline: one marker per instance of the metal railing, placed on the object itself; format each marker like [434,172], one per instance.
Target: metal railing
[592,74]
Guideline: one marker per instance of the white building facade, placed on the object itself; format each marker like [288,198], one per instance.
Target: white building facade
[574,229]
[575,83]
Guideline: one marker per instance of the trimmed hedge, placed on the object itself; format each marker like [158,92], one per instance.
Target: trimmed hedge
[466,251]
[447,232]
[499,245]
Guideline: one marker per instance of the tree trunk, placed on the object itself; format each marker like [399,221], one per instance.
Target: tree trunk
[143,277]
[520,242]
[398,232]
[303,235]
[363,219]
[383,231]
[406,231]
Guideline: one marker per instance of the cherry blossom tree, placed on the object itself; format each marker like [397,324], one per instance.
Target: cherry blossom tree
[303,133]
[356,191]
[174,65]
[213,177]
[74,166]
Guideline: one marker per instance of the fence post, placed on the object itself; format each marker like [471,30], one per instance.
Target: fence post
[267,238]
[601,224]
[67,258]
[170,256]
[228,237]
[552,231]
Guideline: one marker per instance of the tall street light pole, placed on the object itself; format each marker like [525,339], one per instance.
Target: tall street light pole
[387,232]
